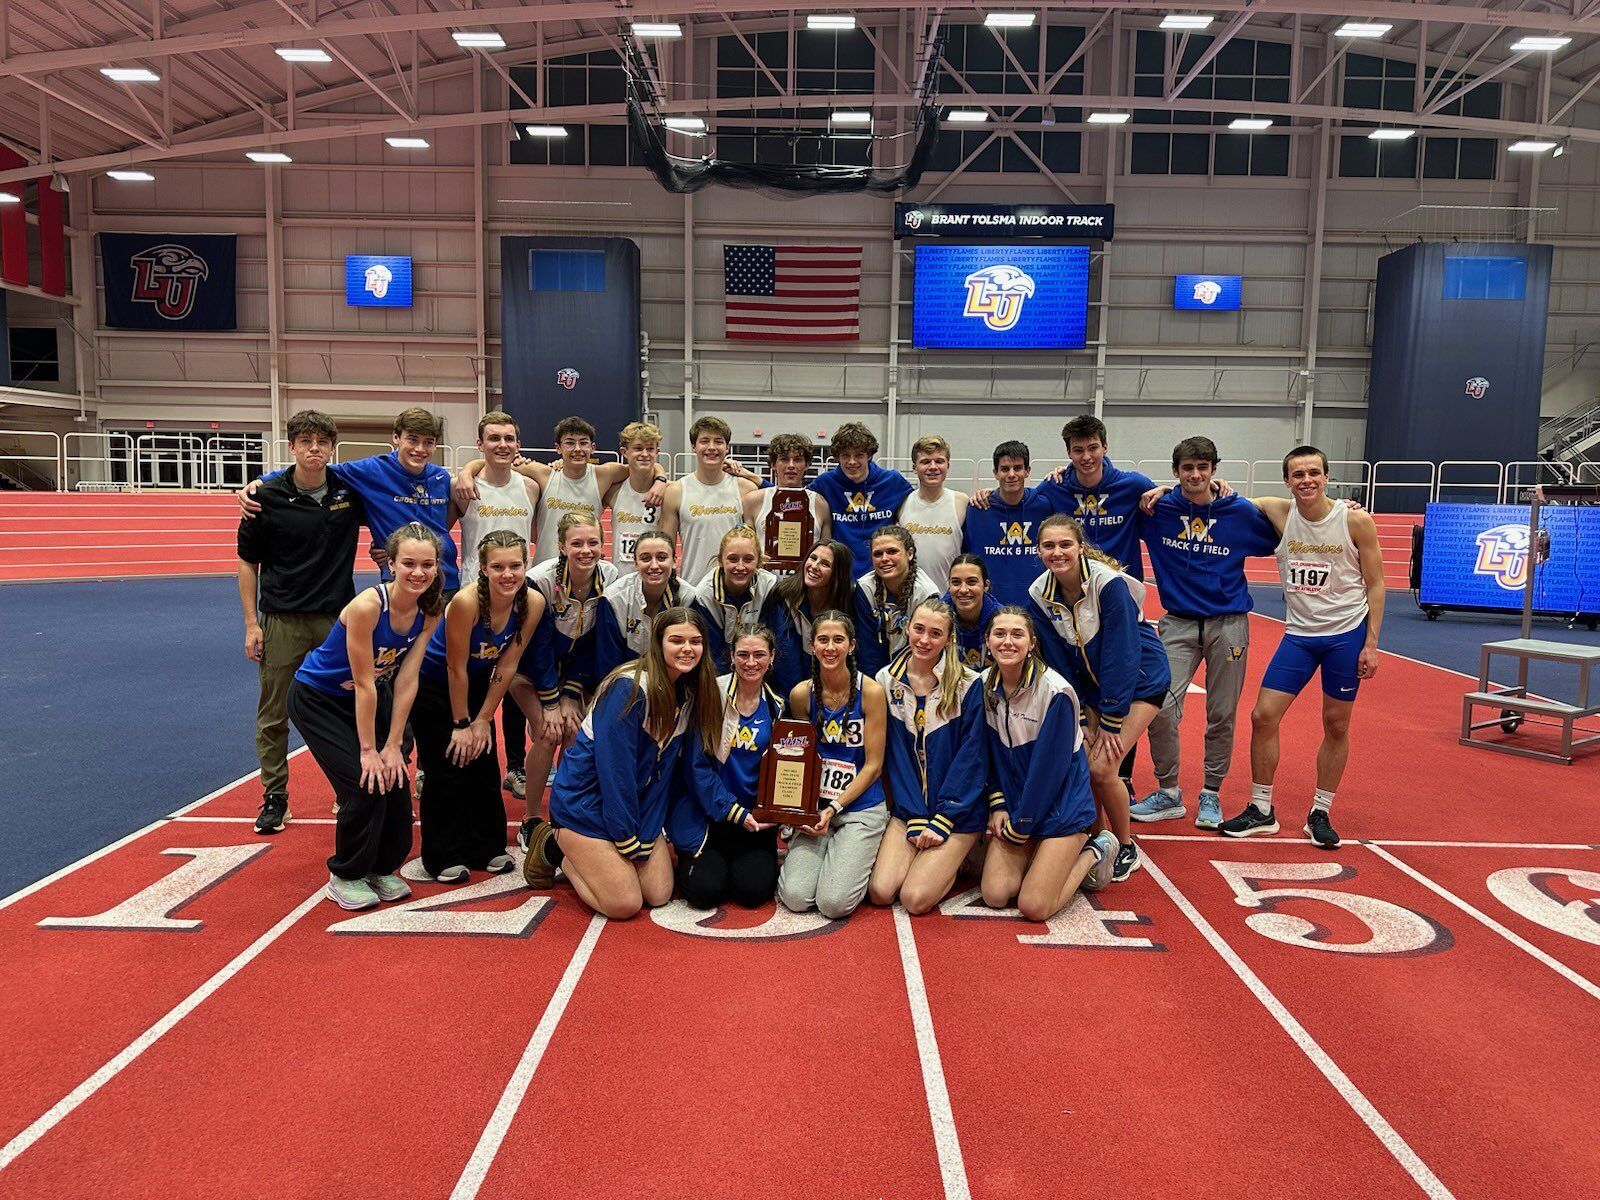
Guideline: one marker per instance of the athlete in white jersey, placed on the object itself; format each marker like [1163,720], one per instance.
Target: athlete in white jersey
[933,514]
[1332,573]
[563,494]
[789,457]
[704,505]
[505,499]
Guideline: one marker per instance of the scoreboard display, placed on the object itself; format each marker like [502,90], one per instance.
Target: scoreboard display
[1476,556]
[1001,297]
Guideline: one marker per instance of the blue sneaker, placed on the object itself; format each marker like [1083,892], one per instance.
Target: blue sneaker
[1210,814]
[1159,806]
[1104,846]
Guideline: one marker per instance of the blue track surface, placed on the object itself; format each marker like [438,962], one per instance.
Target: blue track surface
[123,700]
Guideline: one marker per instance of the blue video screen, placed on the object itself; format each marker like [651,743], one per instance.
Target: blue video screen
[1207,293]
[1476,556]
[1001,297]
[377,280]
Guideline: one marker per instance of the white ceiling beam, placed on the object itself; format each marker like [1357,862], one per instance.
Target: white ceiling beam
[1450,98]
[1201,63]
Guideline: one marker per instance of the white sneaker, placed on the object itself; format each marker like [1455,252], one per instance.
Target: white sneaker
[452,875]
[389,887]
[500,864]
[352,895]
[1104,845]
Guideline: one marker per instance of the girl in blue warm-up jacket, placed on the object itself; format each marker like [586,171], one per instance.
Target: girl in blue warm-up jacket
[733,592]
[823,582]
[646,748]
[628,606]
[934,764]
[1093,631]
[1041,808]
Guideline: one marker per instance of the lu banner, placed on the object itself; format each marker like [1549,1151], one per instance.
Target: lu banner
[169,281]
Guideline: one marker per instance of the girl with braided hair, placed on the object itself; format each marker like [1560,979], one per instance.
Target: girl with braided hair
[572,585]
[886,596]
[936,766]
[825,580]
[829,863]
[733,591]
[468,664]
[630,604]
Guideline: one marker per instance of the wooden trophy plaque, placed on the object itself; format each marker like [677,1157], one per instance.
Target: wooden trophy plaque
[790,776]
[791,530]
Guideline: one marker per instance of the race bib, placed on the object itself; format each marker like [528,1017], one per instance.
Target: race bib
[1307,576]
[625,545]
[837,777]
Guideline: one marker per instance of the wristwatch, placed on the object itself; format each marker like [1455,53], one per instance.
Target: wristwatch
[464,723]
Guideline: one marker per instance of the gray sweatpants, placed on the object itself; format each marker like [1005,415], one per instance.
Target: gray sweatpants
[1223,644]
[830,873]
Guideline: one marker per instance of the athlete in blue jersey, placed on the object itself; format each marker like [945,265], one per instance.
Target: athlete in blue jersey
[824,581]
[1041,806]
[630,604]
[974,606]
[397,488]
[861,495]
[470,660]
[1002,525]
[645,749]
[353,689]
[738,858]
[1099,495]
[829,863]
[934,764]
[1093,631]
[733,592]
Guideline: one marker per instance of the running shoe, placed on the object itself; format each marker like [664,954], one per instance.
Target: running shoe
[389,887]
[1104,845]
[1249,823]
[452,875]
[1210,814]
[416,788]
[537,870]
[1320,830]
[500,864]
[1159,806]
[525,831]
[1127,862]
[516,782]
[274,814]
[353,895]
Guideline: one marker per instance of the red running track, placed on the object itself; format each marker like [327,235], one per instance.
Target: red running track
[1415,1014]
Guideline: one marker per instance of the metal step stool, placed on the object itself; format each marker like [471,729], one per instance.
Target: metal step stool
[1516,705]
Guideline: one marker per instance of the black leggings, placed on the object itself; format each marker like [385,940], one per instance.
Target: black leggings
[463,816]
[734,864]
[373,833]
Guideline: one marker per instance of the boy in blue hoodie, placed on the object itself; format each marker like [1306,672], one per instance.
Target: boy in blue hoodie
[1198,545]
[862,496]
[1005,531]
[1102,497]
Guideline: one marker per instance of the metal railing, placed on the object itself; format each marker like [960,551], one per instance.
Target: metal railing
[26,464]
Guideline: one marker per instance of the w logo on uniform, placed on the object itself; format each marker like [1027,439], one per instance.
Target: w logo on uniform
[1016,534]
[1091,505]
[859,502]
[1196,529]
[1503,556]
[169,277]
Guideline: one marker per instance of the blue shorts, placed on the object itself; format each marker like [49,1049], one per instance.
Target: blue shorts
[1297,658]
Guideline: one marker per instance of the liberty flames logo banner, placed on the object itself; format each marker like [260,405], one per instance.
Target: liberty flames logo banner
[995,295]
[1503,556]
[169,281]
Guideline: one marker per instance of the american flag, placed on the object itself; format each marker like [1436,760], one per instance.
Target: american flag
[792,293]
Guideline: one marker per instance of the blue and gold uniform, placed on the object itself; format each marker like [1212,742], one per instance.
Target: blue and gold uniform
[791,629]
[881,632]
[624,632]
[1038,768]
[574,625]
[724,611]
[970,638]
[327,668]
[934,760]
[842,748]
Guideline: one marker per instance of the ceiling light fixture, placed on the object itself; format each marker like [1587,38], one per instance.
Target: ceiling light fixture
[1108,118]
[478,39]
[407,143]
[850,118]
[303,54]
[10,198]
[1548,44]
[545,131]
[1362,29]
[131,176]
[685,124]
[966,116]
[267,156]
[1390,135]
[1185,21]
[830,21]
[130,74]
[656,29]
[1006,20]
[1250,124]
[1530,146]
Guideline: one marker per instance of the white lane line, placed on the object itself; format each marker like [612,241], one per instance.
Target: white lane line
[40,884]
[1396,1145]
[69,1103]
[494,1133]
[1219,840]
[952,1168]
[1484,919]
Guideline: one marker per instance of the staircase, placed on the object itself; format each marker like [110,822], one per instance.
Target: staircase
[1574,436]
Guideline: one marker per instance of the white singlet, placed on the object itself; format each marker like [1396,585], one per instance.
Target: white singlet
[935,530]
[630,516]
[561,496]
[504,507]
[1323,590]
[704,515]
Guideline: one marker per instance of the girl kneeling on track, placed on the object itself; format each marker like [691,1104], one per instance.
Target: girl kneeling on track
[739,858]
[934,764]
[572,584]
[825,580]
[829,863]
[974,604]
[1093,632]
[646,746]
[1041,807]
[630,604]
[466,669]
[733,591]
[886,595]
[358,684]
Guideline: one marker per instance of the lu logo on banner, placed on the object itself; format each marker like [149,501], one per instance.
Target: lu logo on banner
[169,281]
